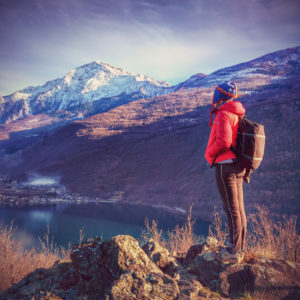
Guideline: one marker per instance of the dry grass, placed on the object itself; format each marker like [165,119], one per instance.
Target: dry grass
[182,238]
[16,262]
[266,236]
[179,240]
[152,232]
[273,238]
[218,229]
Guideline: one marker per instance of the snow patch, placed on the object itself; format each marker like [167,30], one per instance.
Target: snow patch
[294,57]
[68,77]
[19,96]
[96,82]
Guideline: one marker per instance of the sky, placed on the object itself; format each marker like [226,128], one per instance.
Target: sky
[169,40]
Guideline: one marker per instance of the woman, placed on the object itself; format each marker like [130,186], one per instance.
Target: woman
[228,175]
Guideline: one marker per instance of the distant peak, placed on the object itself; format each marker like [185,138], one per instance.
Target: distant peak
[198,75]
[93,63]
[97,64]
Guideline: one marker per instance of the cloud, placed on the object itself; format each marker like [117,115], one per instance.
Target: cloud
[167,39]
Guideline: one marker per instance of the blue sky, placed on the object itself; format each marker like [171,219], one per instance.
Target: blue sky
[166,39]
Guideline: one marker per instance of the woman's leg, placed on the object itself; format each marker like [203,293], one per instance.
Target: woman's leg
[224,196]
[240,180]
[229,186]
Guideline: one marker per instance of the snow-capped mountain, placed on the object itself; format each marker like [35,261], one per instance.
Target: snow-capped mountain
[266,69]
[79,88]
[97,87]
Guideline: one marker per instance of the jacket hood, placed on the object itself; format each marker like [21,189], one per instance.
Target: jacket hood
[232,106]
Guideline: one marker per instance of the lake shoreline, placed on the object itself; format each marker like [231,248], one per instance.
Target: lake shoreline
[34,207]
[13,193]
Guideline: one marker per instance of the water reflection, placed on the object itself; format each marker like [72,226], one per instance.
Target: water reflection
[96,219]
[41,216]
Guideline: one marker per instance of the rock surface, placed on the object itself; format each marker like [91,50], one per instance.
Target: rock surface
[261,277]
[120,269]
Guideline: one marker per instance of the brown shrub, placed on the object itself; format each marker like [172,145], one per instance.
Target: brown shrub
[273,238]
[16,262]
[152,232]
[179,240]
[266,236]
[182,238]
[218,229]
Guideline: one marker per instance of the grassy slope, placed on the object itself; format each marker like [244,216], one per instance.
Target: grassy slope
[152,150]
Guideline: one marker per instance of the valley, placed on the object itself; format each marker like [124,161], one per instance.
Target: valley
[152,149]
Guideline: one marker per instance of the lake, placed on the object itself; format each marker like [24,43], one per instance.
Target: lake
[95,219]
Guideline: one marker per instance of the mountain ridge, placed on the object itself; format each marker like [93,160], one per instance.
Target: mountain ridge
[97,86]
[83,85]
[268,68]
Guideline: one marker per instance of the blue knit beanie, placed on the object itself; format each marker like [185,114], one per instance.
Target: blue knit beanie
[224,91]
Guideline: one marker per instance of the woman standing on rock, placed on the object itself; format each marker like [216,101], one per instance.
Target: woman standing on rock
[229,176]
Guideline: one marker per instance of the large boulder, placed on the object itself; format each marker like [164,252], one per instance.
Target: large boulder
[279,279]
[261,277]
[120,261]
[115,269]
[188,285]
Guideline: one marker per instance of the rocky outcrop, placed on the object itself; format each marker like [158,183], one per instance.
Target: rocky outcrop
[260,277]
[269,279]
[120,269]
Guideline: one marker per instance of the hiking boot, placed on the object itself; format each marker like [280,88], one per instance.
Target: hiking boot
[234,258]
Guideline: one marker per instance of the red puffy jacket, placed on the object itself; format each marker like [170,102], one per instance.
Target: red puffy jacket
[224,132]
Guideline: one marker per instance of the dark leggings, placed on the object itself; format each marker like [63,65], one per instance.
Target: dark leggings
[229,179]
